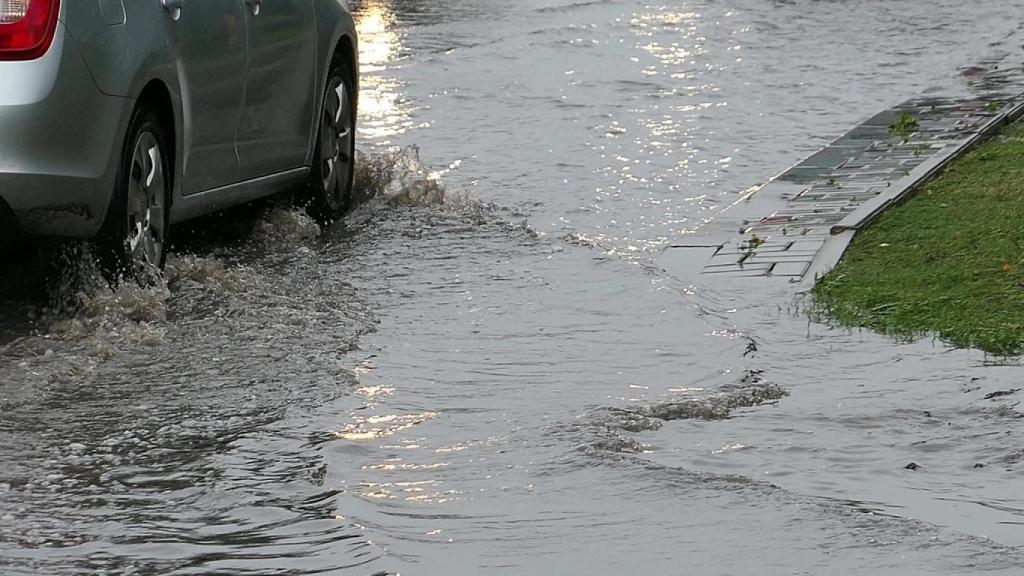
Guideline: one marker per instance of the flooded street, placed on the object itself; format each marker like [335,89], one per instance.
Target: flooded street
[486,371]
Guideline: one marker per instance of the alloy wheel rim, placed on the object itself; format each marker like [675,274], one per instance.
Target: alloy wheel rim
[335,140]
[146,195]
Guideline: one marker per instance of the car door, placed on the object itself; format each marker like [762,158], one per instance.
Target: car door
[209,39]
[274,133]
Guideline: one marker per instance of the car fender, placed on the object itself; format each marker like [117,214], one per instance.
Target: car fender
[124,58]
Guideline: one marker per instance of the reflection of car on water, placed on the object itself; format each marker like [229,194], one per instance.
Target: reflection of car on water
[120,119]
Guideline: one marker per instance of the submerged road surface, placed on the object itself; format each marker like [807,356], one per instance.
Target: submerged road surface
[491,376]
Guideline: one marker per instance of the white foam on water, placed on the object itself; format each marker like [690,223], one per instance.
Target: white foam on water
[208,272]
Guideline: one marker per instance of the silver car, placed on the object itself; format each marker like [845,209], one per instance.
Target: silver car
[121,118]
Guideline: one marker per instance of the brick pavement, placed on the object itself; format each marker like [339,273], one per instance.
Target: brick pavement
[798,224]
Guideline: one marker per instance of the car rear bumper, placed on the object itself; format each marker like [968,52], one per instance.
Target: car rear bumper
[59,143]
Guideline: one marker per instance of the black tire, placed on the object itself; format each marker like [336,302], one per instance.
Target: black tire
[329,191]
[134,238]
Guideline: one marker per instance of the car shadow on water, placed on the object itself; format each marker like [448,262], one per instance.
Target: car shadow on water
[40,279]
[28,273]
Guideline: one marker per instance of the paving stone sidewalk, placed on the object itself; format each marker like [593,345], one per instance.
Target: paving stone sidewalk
[798,224]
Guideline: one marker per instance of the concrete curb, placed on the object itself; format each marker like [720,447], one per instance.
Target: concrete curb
[843,232]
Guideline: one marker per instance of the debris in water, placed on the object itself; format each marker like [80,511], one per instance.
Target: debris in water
[999,393]
[751,347]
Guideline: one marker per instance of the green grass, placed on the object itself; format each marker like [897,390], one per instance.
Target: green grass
[904,126]
[948,261]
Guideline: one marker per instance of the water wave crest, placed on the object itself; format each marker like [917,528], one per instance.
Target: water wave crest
[752,390]
[284,227]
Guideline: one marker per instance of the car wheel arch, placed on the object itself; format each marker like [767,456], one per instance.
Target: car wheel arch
[343,46]
[345,49]
[157,97]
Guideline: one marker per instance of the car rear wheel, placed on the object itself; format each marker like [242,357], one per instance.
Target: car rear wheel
[330,185]
[134,239]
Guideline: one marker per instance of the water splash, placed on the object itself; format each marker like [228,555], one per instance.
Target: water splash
[84,303]
[284,228]
[400,177]
[415,198]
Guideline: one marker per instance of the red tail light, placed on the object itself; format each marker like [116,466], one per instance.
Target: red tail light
[26,28]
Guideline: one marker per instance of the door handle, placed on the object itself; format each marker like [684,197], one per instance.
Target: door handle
[173,7]
[254,6]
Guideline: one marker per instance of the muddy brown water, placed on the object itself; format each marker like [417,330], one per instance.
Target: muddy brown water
[481,370]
